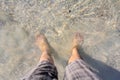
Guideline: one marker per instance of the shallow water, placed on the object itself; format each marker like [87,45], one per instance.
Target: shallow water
[97,20]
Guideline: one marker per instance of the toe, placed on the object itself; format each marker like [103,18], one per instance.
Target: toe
[40,36]
[76,35]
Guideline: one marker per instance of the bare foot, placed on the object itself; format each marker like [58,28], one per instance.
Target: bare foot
[77,41]
[42,43]
[76,44]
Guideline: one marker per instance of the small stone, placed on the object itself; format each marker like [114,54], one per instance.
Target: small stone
[69,11]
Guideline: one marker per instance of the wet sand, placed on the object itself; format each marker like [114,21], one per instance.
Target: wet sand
[97,20]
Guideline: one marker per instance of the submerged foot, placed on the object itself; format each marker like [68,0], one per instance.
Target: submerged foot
[76,44]
[77,41]
[42,43]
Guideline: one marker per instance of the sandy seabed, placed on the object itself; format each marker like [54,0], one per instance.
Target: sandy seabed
[97,20]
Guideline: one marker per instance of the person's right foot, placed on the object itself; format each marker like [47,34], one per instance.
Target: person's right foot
[76,44]
[77,41]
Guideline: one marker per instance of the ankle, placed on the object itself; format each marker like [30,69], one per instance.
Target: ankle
[74,50]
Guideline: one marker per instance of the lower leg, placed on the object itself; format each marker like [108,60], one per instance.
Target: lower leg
[75,55]
[45,56]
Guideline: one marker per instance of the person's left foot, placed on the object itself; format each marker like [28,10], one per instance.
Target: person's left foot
[42,43]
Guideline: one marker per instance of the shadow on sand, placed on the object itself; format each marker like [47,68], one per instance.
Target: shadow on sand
[105,72]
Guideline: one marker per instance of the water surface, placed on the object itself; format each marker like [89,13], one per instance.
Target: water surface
[97,20]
